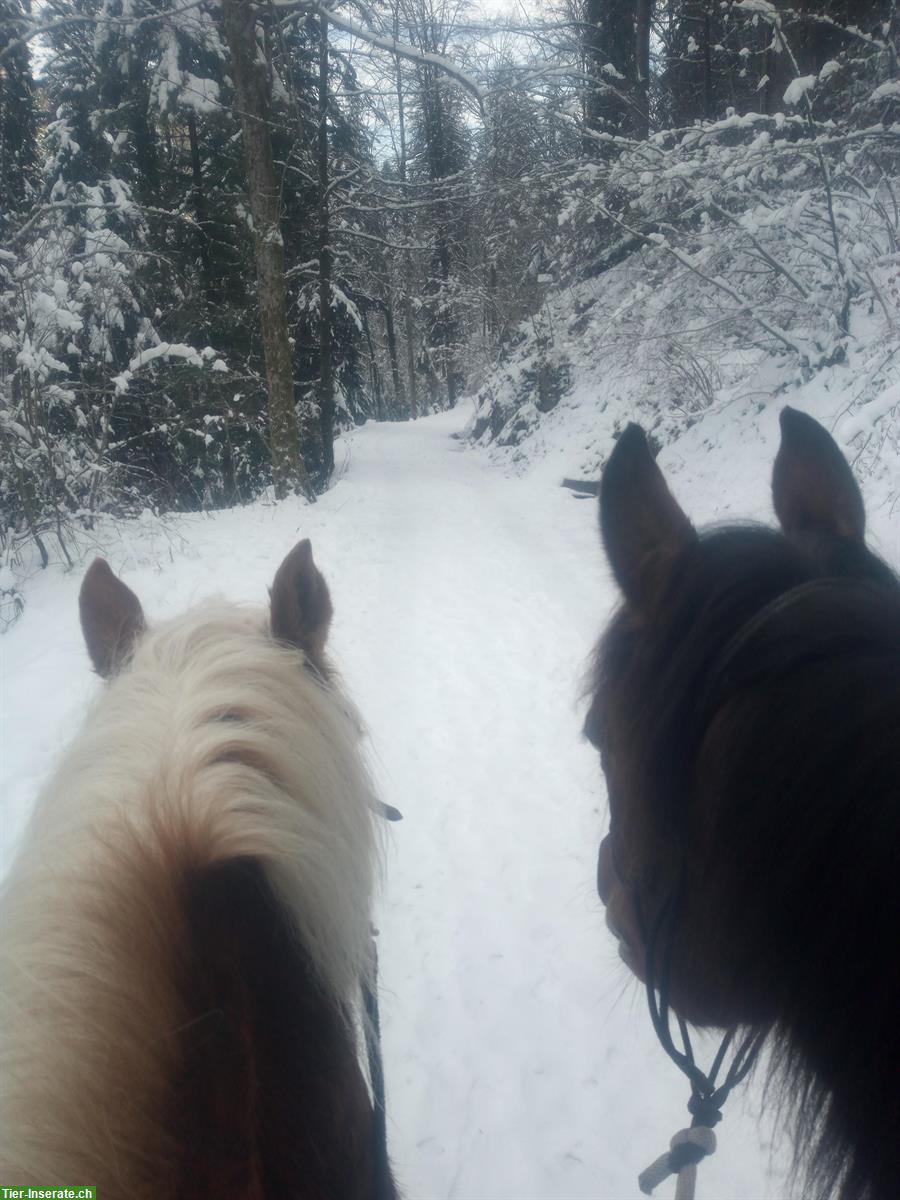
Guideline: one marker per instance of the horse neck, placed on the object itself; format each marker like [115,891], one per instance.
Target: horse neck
[183,1042]
[802,901]
[839,1016]
[270,1101]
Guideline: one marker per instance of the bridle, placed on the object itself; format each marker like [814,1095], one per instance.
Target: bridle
[692,1145]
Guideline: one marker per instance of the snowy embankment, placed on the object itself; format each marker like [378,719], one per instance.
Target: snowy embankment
[646,341]
[520,1060]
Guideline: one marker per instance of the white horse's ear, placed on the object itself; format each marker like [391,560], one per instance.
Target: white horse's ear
[642,526]
[111,618]
[300,604]
[813,488]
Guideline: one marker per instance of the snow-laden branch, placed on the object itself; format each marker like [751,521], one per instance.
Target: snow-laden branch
[777,17]
[744,305]
[777,267]
[37,29]
[167,350]
[95,206]
[347,231]
[398,48]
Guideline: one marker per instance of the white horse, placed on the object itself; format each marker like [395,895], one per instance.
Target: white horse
[185,931]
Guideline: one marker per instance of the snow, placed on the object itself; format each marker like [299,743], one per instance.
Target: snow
[762,7]
[161,350]
[519,1057]
[200,94]
[890,90]
[798,88]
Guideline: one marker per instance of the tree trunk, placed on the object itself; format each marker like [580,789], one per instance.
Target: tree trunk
[326,374]
[199,197]
[399,398]
[446,330]
[609,37]
[708,102]
[411,358]
[407,306]
[642,65]
[377,389]
[143,129]
[251,89]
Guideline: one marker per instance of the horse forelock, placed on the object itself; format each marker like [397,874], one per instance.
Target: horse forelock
[215,745]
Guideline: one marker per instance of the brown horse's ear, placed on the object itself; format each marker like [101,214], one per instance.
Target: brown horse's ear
[300,604]
[111,618]
[813,488]
[642,527]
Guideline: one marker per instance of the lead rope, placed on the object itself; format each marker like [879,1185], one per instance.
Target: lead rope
[689,1146]
[382,1184]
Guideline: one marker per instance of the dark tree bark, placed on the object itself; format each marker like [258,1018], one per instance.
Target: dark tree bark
[816,42]
[199,197]
[642,15]
[411,358]
[377,389]
[399,398]
[18,124]
[706,71]
[409,324]
[610,39]
[142,127]
[326,371]
[709,111]
[252,90]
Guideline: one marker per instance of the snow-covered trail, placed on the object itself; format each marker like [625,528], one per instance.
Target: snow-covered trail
[520,1062]
[519,1054]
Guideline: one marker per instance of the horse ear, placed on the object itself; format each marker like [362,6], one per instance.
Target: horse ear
[813,488]
[111,618]
[641,524]
[300,603]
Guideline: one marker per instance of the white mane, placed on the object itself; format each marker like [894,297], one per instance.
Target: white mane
[216,742]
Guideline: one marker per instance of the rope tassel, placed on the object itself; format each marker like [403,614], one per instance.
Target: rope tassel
[687,1148]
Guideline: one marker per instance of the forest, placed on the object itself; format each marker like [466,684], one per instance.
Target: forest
[230,230]
[371,279]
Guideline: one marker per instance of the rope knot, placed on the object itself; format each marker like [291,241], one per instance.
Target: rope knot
[704,1110]
[687,1148]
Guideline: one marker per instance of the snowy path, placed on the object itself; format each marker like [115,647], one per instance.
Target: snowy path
[519,1058]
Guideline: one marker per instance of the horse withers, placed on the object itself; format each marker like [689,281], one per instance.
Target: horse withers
[185,932]
[746,705]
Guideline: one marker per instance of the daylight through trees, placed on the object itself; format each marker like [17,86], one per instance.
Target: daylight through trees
[229,230]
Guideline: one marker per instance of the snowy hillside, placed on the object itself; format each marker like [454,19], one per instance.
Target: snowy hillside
[646,342]
[519,1057]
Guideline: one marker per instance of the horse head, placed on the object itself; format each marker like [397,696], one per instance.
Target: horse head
[745,700]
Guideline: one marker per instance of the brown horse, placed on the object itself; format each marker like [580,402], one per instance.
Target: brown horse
[184,934]
[746,705]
